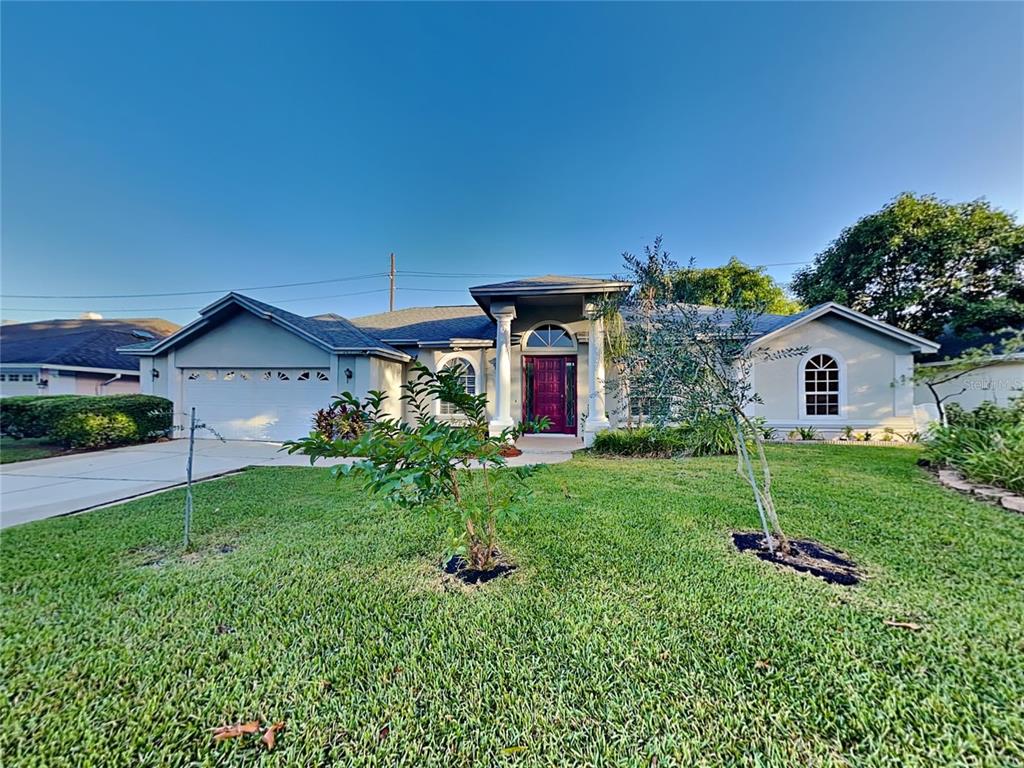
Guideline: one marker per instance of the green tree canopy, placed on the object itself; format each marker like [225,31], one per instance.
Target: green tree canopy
[923,264]
[734,284]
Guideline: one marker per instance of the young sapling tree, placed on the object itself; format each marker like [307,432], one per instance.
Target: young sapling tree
[424,462]
[680,362]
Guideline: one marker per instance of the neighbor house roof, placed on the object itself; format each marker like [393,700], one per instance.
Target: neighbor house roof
[333,332]
[79,343]
[428,325]
[953,345]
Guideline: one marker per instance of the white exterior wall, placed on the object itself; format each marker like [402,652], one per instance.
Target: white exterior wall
[997,384]
[871,364]
[19,388]
[247,341]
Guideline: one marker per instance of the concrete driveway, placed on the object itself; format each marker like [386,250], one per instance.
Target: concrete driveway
[33,490]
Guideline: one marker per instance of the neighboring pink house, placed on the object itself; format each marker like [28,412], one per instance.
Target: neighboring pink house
[74,357]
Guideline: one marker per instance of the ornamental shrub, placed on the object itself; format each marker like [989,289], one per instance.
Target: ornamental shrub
[704,436]
[651,442]
[425,463]
[96,430]
[986,444]
[40,415]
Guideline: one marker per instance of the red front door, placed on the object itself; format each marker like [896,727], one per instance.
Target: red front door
[549,390]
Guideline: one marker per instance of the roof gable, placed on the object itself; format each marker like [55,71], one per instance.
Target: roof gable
[333,333]
[777,324]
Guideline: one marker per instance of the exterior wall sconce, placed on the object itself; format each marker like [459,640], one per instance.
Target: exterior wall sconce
[155,374]
[43,383]
[348,374]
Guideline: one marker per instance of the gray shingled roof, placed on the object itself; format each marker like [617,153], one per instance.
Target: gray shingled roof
[954,345]
[552,283]
[764,324]
[333,331]
[428,324]
[79,343]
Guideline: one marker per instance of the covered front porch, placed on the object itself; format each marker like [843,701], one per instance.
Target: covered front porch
[549,359]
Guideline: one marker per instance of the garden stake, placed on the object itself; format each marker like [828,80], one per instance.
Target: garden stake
[188,476]
[741,442]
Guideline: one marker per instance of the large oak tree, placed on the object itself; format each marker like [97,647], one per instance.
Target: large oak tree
[923,264]
[733,284]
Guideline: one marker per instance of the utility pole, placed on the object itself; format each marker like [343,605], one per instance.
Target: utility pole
[391,304]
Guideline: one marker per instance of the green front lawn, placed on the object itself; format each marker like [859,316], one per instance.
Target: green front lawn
[28,448]
[632,629]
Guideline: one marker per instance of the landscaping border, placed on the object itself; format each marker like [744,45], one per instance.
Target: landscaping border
[1004,498]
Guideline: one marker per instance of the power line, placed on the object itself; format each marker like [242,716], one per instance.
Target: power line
[175,309]
[409,273]
[194,293]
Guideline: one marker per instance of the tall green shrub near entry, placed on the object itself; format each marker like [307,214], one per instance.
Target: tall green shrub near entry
[424,463]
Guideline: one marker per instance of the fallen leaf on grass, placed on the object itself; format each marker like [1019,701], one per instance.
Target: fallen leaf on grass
[513,750]
[235,730]
[270,735]
[903,625]
[762,664]
[383,733]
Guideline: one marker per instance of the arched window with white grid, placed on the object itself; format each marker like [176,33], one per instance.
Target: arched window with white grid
[467,377]
[821,381]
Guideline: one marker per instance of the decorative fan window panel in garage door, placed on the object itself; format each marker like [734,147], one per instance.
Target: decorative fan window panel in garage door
[272,404]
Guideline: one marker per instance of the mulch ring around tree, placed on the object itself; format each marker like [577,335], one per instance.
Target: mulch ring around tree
[457,567]
[806,556]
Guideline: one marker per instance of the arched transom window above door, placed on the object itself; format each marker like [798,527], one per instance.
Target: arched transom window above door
[550,337]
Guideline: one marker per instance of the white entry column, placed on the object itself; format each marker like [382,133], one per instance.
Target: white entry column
[596,418]
[503,371]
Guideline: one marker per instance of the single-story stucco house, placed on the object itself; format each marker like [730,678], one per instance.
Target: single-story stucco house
[74,356]
[254,371]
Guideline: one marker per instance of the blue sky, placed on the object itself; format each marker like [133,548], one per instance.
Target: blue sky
[186,147]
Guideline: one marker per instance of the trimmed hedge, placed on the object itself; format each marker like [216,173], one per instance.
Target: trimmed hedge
[708,436]
[86,421]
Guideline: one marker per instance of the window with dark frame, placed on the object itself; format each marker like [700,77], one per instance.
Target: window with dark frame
[821,386]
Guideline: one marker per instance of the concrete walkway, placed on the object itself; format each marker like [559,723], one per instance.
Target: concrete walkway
[62,485]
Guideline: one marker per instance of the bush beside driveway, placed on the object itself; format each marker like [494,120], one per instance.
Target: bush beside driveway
[632,630]
[80,422]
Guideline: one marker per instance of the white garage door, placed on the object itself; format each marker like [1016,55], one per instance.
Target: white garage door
[257,403]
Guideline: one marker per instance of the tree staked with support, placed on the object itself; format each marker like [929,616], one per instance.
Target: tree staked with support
[679,362]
